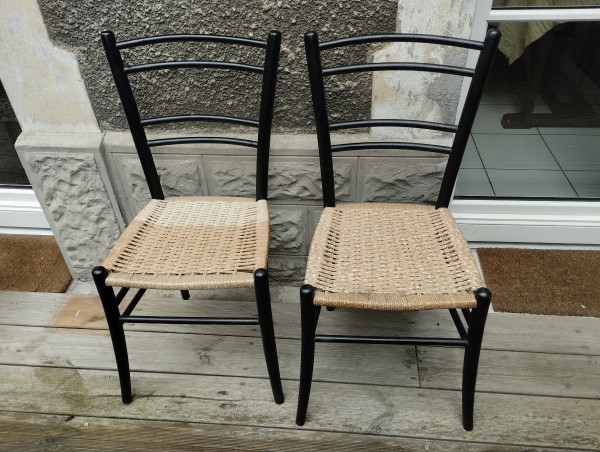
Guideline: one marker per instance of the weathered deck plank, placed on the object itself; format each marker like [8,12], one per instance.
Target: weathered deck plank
[368,409]
[30,431]
[203,354]
[514,372]
[504,331]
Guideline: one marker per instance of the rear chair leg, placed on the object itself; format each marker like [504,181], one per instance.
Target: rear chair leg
[265,318]
[309,315]
[475,336]
[111,311]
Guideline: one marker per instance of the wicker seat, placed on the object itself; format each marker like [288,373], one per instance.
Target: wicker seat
[187,243]
[391,257]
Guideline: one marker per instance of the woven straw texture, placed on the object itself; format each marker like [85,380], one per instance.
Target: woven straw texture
[188,243]
[391,257]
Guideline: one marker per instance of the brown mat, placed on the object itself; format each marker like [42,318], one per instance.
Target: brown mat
[32,263]
[553,282]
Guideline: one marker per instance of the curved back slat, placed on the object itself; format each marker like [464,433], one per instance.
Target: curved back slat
[192,64]
[442,127]
[189,38]
[461,131]
[136,124]
[208,118]
[423,67]
[391,145]
[202,140]
[404,37]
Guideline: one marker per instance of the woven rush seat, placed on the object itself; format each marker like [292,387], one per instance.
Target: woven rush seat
[186,243]
[391,257]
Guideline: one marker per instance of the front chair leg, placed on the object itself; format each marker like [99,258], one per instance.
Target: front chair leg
[185,294]
[309,317]
[475,336]
[111,311]
[265,318]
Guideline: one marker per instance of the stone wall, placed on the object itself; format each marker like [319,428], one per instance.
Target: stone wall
[89,181]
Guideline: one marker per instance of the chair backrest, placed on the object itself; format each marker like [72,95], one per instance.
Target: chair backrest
[461,131]
[137,124]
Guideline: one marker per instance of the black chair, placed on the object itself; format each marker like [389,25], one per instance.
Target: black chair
[186,243]
[394,256]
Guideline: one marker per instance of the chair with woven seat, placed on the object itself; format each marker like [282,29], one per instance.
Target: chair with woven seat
[192,242]
[394,257]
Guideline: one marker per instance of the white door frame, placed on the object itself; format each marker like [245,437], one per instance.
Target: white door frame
[552,223]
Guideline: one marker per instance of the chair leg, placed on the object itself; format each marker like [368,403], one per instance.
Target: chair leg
[265,318]
[185,294]
[475,336]
[309,315]
[111,311]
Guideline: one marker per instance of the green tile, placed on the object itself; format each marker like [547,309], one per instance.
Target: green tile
[530,183]
[473,182]
[500,151]
[586,183]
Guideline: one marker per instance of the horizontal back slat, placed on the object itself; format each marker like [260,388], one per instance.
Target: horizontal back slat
[190,37]
[401,37]
[423,67]
[209,118]
[442,127]
[193,64]
[202,140]
[391,145]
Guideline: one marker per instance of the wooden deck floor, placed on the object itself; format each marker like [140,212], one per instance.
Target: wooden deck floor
[206,387]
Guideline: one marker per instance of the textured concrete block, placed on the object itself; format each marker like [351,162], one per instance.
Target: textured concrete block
[77,204]
[314,214]
[288,230]
[290,178]
[400,180]
[287,270]
[178,177]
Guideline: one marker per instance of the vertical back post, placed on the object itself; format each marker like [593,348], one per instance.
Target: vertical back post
[467,116]
[266,113]
[315,74]
[131,112]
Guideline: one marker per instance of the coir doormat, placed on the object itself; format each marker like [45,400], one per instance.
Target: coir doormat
[555,282]
[32,263]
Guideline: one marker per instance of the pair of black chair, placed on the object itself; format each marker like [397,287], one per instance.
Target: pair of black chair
[363,256]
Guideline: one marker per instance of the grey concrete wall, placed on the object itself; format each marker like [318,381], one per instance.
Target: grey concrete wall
[77,26]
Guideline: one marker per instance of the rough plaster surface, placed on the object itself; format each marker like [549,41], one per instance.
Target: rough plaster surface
[77,26]
[418,95]
[43,82]
[76,202]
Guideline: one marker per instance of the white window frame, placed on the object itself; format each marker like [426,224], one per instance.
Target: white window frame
[21,212]
[552,223]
